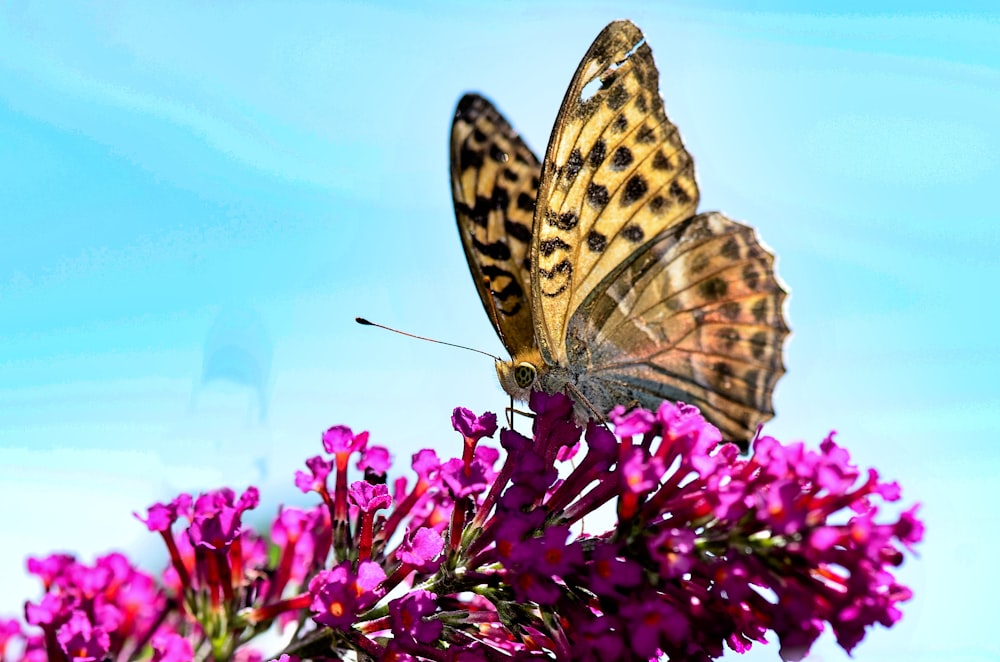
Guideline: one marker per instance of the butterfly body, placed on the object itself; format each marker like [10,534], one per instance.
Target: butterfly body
[599,276]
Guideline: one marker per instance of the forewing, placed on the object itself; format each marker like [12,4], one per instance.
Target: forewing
[615,175]
[494,183]
[696,317]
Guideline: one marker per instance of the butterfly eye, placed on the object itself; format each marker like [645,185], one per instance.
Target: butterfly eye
[524,374]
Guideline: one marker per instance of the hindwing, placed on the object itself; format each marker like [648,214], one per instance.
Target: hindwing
[696,317]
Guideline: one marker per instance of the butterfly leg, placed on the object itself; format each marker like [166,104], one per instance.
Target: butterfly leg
[511,410]
[574,393]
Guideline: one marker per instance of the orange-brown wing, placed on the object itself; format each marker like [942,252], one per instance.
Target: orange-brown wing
[696,317]
[494,183]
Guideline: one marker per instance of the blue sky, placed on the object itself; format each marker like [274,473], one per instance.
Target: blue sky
[195,202]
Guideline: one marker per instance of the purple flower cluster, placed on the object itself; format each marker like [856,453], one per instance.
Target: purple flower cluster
[483,557]
[88,612]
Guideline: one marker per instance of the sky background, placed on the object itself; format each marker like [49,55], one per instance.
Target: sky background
[197,200]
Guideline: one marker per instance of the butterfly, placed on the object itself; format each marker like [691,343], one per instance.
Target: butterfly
[599,276]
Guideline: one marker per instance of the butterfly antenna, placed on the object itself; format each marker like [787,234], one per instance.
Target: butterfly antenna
[364,322]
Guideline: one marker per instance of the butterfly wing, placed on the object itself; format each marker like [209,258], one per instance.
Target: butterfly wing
[494,183]
[634,298]
[697,317]
[615,175]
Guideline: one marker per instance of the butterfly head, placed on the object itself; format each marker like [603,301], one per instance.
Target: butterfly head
[520,374]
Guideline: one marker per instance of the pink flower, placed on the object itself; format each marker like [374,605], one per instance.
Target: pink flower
[340,439]
[81,641]
[339,595]
[473,427]
[171,647]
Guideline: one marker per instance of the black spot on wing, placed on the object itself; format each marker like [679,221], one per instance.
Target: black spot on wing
[565,221]
[617,97]
[645,135]
[597,195]
[759,311]
[729,336]
[633,233]
[586,109]
[509,175]
[660,161]
[597,153]
[723,373]
[562,288]
[549,246]
[731,249]
[679,194]
[497,250]
[501,198]
[635,188]
[563,267]
[730,310]
[573,165]
[526,202]
[620,124]
[621,159]
[713,288]
[596,241]
[469,158]
[698,263]
[519,231]
[479,213]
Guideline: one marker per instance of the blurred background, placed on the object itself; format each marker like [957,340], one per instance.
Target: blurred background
[197,200]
